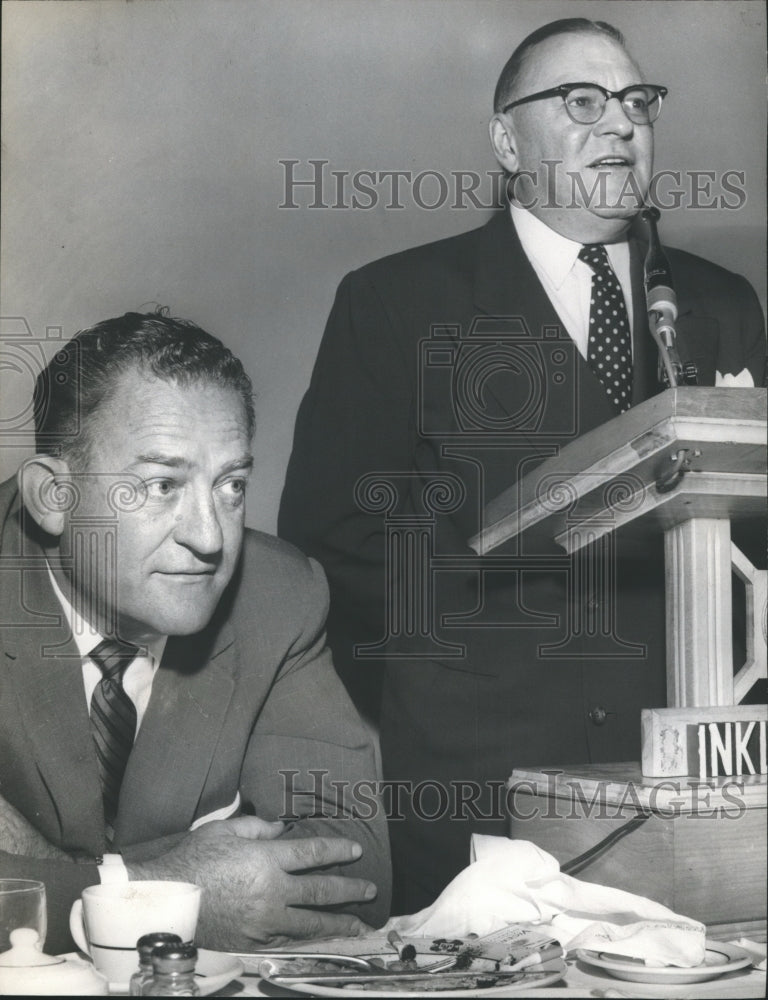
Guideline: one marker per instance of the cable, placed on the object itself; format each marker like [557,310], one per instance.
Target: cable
[582,861]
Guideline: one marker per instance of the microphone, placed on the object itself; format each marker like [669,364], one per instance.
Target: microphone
[661,303]
[659,293]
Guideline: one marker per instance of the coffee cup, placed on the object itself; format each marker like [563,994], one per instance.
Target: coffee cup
[108,920]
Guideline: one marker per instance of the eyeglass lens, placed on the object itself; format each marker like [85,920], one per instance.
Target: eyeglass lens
[586,105]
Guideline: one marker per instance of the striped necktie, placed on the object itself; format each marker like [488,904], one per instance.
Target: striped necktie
[609,348]
[113,721]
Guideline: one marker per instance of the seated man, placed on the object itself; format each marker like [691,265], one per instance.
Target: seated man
[165,689]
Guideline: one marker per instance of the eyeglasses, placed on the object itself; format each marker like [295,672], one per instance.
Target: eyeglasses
[585,102]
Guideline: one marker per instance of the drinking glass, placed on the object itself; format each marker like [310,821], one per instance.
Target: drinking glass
[22,904]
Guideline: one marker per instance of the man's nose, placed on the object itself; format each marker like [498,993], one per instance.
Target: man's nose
[614,119]
[197,524]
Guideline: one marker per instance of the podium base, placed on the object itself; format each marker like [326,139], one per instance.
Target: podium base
[701,851]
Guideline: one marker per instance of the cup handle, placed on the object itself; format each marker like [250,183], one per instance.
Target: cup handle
[76,926]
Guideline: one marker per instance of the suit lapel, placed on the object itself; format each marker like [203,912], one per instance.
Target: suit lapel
[46,674]
[183,725]
[504,281]
[506,285]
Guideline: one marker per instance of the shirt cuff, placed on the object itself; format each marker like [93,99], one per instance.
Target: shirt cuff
[112,869]
[226,812]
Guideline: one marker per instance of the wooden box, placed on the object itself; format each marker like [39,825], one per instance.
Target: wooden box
[701,852]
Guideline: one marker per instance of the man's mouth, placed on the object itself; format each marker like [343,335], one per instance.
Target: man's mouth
[192,574]
[611,161]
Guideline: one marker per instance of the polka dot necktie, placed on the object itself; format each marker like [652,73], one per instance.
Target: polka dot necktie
[609,348]
[113,721]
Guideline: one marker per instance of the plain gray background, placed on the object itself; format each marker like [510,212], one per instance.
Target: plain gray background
[142,143]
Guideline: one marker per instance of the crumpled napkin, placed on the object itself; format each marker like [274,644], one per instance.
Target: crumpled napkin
[514,881]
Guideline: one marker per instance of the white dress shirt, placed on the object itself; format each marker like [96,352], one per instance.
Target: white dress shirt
[139,674]
[566,279]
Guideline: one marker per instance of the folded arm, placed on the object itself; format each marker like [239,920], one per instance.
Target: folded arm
[257,889]
[310,762]
[312,859]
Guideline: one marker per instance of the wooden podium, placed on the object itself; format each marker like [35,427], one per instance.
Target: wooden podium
[689,463]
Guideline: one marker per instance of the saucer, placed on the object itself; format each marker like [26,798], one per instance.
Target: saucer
[718,959]
[214,970]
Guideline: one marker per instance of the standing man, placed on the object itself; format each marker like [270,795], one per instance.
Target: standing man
[168,706]
[446,373]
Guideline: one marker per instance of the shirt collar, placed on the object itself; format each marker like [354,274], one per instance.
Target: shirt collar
[552,253]
[85,635]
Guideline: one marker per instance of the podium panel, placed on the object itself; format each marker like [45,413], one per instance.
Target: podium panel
[688,463]
[700,851]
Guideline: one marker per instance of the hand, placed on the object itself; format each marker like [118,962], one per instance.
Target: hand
[260,890]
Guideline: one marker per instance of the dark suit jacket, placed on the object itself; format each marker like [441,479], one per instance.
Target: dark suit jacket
[252,695]
[448,364]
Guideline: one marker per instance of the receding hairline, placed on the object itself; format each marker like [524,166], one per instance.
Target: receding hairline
[77,381]
[77,449]
[515,68]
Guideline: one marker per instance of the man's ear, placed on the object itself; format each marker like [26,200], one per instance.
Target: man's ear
[40,482]
[504,143]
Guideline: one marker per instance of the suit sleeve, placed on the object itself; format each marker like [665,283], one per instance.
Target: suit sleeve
[356,418]
[310,760]
[744,345]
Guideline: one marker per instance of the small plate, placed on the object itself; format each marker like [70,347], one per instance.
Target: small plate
[718,959]
[213,971]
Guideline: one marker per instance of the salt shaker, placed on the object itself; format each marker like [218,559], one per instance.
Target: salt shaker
[173,971]
[145,946]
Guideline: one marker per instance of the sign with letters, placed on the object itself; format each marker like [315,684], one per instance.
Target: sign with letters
[706,742]
[728,748]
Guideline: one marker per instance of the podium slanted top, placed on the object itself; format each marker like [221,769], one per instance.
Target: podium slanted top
[687,452]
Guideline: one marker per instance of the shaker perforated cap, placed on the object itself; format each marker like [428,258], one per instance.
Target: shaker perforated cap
[174,958]
[148,942]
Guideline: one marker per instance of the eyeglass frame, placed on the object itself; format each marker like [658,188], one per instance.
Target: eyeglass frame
[563,89]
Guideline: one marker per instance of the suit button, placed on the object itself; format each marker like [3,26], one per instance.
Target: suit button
[593,603]
[598,715]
